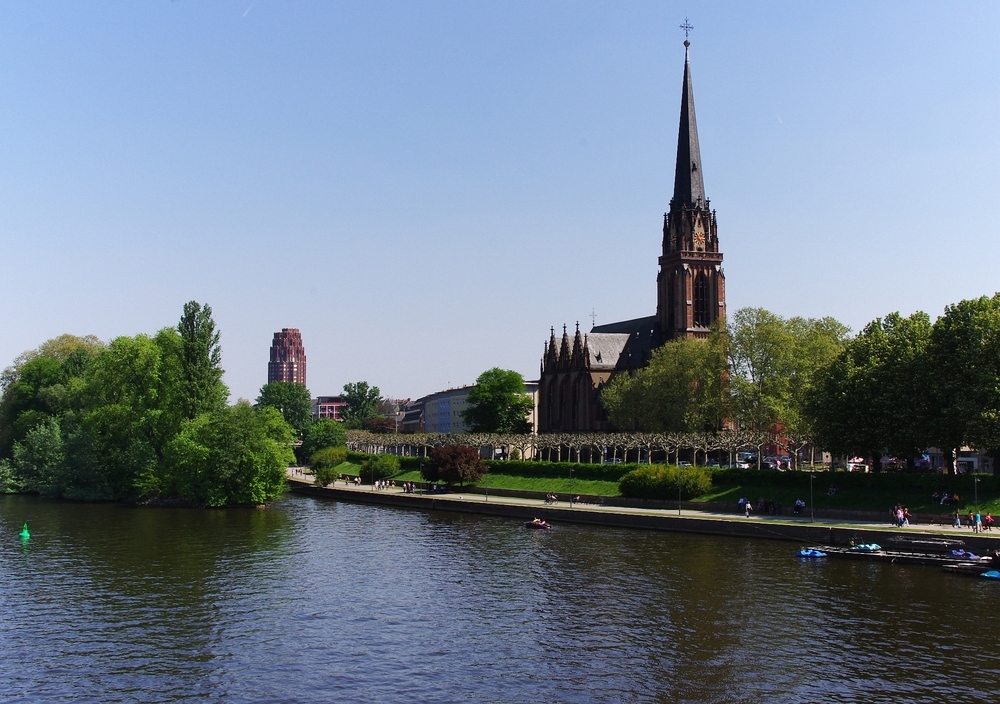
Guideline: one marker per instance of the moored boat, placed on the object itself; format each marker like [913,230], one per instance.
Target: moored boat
[811,552]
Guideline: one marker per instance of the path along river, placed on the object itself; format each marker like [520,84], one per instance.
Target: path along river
[319,601]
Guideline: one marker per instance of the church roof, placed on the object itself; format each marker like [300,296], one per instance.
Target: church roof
[689,185]
[627,344]
[605,349]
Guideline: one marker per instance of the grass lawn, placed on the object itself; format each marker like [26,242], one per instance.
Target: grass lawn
[846,498]
[495,480]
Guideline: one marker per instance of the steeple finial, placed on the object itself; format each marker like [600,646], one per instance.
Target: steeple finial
[689,187]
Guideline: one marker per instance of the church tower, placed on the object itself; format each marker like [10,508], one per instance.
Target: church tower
[691,287]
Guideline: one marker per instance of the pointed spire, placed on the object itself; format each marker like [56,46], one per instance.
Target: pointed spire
[689,188]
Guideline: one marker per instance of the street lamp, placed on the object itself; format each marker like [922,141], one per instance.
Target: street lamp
[812,516]
[486,484]
[975,484]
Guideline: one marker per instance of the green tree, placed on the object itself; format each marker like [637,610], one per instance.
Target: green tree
[681,389]
[498,404]
[965,378]
[324,464]
[201,361]
[321,435]
[362,402]
[292,400]
[232,456]
[872,398]
[39,459]
[379,467]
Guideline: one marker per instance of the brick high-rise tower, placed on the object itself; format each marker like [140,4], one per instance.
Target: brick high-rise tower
[691,288]
[288,357]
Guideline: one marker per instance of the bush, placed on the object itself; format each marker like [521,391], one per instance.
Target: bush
[380,467]
[561,470]
[405,463]
[662,482]
[324,464]
[454,464]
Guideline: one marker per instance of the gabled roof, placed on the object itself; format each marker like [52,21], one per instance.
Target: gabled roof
[605,349]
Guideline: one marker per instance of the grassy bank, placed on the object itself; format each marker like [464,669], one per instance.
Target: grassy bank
[854,491]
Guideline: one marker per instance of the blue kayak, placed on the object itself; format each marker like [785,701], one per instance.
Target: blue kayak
[992,574]
[811,552]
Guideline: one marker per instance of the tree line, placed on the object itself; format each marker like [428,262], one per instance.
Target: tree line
[139,418]
[900,386]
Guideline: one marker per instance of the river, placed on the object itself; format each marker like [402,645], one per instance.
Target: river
[313,601]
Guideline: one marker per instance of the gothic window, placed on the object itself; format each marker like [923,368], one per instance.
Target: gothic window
[702,317]
[671,301]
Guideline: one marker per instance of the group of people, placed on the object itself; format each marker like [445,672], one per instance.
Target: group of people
[409,487]
[901,516]
[977,522]
[944,498]
[799,506]
[348,479]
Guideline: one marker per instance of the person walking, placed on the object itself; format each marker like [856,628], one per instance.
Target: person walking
[747,508]
[958,519]
[979,523]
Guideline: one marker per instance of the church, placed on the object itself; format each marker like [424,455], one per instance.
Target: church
[690,297]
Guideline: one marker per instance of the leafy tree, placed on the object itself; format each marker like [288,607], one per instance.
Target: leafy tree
[380,467]
[362,401]
[234,455]
[320,435]
[324,464]
[965,378]
[379,425]
[454,464]
[498,404]
[39,458]
[681,389]
[872,398]
[773,363]
[201,361]
[292,400]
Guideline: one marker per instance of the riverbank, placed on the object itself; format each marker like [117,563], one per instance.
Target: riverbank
[799,529]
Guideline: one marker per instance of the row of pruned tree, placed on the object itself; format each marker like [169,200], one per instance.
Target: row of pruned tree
[581,447]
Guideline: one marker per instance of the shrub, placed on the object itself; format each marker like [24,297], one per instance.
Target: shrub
[324,463]
[454,464]
[380,467]
[662,482]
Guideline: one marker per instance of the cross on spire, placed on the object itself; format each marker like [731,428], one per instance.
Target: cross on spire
[687,27]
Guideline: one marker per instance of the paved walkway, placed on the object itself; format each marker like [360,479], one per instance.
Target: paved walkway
[458,496]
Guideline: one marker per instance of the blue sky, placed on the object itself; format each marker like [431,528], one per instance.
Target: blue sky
[423,189]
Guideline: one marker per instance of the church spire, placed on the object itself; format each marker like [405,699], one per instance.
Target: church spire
[689,188]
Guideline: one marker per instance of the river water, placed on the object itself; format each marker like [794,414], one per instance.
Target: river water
[313,601]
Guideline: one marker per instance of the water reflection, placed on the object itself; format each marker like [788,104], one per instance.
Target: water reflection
[314,601]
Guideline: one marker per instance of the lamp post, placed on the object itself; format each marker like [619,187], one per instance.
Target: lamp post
[975,484]
[812,517]
[486,484]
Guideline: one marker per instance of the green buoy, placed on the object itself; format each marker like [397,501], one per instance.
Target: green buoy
[24,532]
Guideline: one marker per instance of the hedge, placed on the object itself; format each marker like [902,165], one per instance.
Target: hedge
[930,482]
[662,482]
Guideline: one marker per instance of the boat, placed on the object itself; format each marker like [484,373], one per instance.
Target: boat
[811,552]
[538,524]
[992,574]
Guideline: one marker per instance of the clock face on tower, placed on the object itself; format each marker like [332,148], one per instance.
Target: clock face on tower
[699,240]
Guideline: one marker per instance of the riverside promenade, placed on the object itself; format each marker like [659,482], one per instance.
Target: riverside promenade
[792,528]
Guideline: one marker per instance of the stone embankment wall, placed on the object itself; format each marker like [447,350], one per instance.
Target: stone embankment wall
[620,517]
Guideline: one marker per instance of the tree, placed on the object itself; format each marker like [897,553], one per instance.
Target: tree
[362,401]
[872,397]
[681,389]
[232,456]
[773,363]
[965,377]
[498,404]
[379,467]
[201,361]
[454,464]
[321,435]
[290,399]
[379,424]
